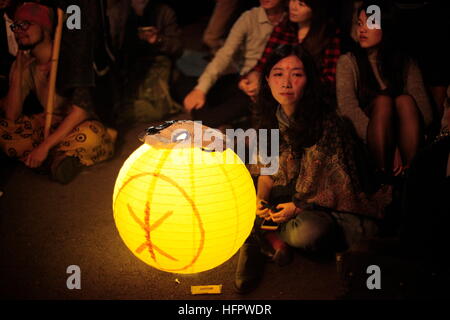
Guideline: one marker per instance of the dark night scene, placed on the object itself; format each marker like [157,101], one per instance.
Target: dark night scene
[224,157]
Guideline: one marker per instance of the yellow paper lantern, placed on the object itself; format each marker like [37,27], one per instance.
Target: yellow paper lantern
[180,207]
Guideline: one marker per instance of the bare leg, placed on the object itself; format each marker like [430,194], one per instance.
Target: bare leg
[409,128]
[380,132]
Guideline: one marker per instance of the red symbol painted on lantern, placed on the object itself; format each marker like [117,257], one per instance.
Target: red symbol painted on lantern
[147,228]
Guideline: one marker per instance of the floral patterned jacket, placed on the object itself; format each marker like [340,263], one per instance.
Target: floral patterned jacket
[326,176]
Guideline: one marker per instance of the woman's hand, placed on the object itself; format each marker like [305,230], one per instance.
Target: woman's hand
[262,211]
[287,212]
[37,156]
[249,89]
[250,84]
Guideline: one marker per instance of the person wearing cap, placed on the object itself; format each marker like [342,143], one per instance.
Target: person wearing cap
[76,138]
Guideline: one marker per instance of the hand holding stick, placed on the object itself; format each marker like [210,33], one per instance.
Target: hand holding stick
[53,72]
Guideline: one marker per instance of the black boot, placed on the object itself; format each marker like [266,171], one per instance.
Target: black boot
[64,168]
[250,268]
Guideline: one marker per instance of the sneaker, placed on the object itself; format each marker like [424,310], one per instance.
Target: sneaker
[64,169]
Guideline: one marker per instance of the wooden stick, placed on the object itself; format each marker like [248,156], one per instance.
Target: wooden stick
[53,72]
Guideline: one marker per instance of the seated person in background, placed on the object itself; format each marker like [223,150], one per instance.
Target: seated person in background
[225,102]
[317,187]
[149,41]
[381,91]
[429,51]
[308,23]
[75,138]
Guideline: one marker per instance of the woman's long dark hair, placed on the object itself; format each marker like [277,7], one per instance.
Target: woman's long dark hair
[391,59]
[311,109]
[322,28]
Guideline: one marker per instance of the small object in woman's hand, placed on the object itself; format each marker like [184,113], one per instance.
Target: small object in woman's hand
[269,225]
[272,208]
[147,29]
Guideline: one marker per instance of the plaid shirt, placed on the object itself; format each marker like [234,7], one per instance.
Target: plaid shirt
[287,33]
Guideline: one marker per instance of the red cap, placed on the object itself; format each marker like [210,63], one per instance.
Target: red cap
[35,13]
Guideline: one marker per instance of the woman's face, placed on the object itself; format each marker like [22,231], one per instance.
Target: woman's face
[270,4]
[299,12]
[367,38]
[287,81]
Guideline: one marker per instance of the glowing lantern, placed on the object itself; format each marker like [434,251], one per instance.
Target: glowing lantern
[180,206]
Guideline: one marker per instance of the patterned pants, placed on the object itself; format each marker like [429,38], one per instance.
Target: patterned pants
[90,141]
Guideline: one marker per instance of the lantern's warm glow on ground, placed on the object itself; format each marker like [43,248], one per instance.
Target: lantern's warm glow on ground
[183,210]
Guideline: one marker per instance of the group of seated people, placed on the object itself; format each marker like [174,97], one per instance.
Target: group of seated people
[352,115]
[60,141]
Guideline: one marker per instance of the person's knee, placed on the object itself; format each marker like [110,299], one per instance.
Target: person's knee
[310,236]
[382,105]
[404,98]
[404,102]
[17,148]
[383,100]
[90,133]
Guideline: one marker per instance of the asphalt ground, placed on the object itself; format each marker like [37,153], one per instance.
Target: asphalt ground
[46,227]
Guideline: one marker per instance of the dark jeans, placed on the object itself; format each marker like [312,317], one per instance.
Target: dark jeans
[314,230]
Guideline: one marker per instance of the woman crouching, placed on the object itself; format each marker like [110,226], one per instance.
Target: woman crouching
[316,194]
